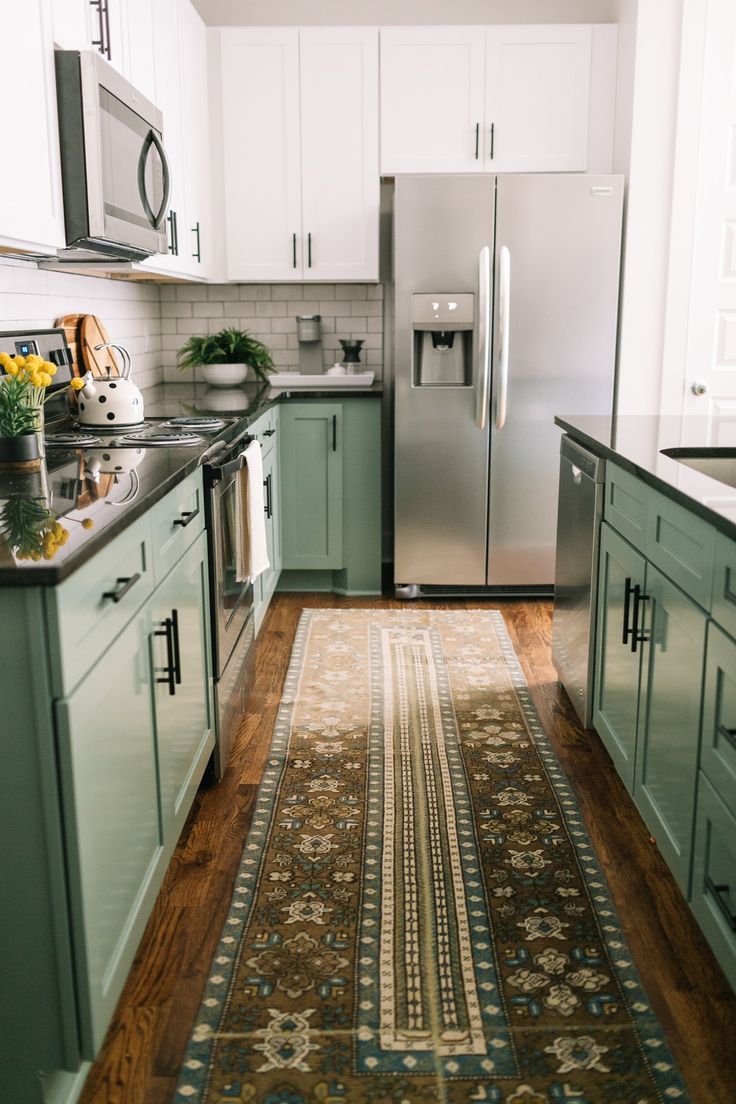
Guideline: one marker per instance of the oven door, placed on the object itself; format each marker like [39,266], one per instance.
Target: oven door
[232,600]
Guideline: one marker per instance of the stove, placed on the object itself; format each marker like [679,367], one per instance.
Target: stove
[182,432]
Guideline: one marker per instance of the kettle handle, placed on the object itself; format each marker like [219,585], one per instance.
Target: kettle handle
[123,352]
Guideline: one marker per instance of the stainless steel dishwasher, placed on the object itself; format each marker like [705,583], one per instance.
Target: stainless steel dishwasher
[580,506]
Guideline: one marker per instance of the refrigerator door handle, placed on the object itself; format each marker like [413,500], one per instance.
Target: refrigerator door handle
[504,302]
[484,337]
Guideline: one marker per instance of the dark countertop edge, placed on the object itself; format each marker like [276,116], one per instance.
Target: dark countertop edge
[608,452]
[52,575]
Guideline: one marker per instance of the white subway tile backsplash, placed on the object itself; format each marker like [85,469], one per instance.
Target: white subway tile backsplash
[255,291]
[209,310]
[270,310]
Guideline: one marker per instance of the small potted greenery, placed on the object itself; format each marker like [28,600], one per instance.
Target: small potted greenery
[225,357]
[23,383]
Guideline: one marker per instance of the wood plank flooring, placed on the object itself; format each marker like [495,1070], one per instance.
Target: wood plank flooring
[140,1060]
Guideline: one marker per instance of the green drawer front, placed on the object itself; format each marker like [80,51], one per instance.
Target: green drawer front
[264,429]
[718,745]
[85,621]
[682,545]
[625,505]
[177,520]
[714,876]
[724,584]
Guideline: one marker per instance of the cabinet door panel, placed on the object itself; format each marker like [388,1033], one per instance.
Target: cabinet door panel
[669,722]
[141,46]
[311,485]
[111,822]
[616,705]
[184,727]
[431,99]
[718,749]
[30,191]
[537,98]
[714,876]
[260,106]
[195,244]
[339,124]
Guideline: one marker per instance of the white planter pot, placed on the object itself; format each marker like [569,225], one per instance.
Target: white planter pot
[224,375]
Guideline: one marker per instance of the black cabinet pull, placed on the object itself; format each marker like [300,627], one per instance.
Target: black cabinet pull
[175,646]
[198,251]
[334,432]
[174,243]
[477,139]
[728,734]
[124,585]
[638,636]
[309,250]
[293,250]
[186,518]
[168,672]
[493,138]
[102,42]
[716,891]
[268,507]
[268,432]
[628,591]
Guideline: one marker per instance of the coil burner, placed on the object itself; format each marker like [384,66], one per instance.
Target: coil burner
[195,422]
[159,438]
[71,439]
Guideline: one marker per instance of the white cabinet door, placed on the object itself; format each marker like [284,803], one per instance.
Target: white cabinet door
[141,47]
[194,229]
[260,111]
[30,184]
[340,177]
[431,99]
[537,98]
[72,24]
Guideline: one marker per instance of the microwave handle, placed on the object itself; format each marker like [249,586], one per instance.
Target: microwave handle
[152,139]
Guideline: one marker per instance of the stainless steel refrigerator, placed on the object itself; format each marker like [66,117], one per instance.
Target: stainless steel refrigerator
[506,299]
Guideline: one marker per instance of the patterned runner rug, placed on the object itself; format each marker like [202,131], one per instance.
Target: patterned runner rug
[419,916]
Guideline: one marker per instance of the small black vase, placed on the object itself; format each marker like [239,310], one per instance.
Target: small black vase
[22,451]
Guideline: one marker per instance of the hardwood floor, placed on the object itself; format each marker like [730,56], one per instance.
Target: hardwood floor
[140,1060]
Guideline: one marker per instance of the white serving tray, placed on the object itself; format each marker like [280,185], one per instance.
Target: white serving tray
[295,381]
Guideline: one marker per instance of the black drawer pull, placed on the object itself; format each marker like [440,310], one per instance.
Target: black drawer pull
[176,646]
[716,891]
[186,518]
[638,636]
[628,591]
[728,734]
[268,432]
[124,586]
[334,432]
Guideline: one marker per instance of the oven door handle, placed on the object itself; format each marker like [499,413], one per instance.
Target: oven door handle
[216,472]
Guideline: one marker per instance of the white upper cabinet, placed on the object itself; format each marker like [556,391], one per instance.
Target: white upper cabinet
[141,47]
[432,111]
[496,99]
[300,139]
[31,211]
[260,123]
[340,179]
[537,98]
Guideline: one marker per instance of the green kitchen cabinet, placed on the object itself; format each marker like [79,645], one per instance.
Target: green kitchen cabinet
[330,495]
[180,665]
[312,447]
[112,831]
[669,721]
[714,875]
[265,584]
[618,666]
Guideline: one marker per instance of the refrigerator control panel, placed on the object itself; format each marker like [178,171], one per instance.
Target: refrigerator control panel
[443,311]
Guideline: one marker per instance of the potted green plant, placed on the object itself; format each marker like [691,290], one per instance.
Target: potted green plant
[225,357]
[19,444]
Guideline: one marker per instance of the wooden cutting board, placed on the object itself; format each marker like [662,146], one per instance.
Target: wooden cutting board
[92,333]
[70,324]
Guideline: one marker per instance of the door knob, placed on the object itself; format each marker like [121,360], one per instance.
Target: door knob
[699,387]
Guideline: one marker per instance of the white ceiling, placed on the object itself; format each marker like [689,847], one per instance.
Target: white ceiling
[377,12]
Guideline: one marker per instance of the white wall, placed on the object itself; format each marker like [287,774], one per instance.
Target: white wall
[372,12]
[33,298]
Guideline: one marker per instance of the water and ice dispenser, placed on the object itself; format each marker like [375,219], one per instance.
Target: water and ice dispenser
[443,339]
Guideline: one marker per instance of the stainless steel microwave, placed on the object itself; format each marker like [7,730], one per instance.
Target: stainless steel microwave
[115,174]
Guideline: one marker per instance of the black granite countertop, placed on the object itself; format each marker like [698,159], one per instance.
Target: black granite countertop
[635,442]
[52,521]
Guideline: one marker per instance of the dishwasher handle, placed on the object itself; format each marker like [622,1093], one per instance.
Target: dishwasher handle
[584,463]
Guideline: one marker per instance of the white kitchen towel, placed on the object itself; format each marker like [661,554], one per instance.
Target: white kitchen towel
[251,553]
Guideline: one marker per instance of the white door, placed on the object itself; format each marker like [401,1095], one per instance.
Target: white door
[537,98]
[431,99]
[710,375]
[30,183]
[340,177]
[260,112]
[71,24]
[195,229]
[139,29]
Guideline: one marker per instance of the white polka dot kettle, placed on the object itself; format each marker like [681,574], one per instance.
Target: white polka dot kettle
[111,402]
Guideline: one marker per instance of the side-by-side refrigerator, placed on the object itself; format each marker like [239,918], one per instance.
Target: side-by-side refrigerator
[505,315]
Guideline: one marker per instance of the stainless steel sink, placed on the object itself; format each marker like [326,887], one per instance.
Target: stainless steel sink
[718,463]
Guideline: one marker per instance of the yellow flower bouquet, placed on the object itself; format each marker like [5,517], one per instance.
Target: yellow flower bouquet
[23,383]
